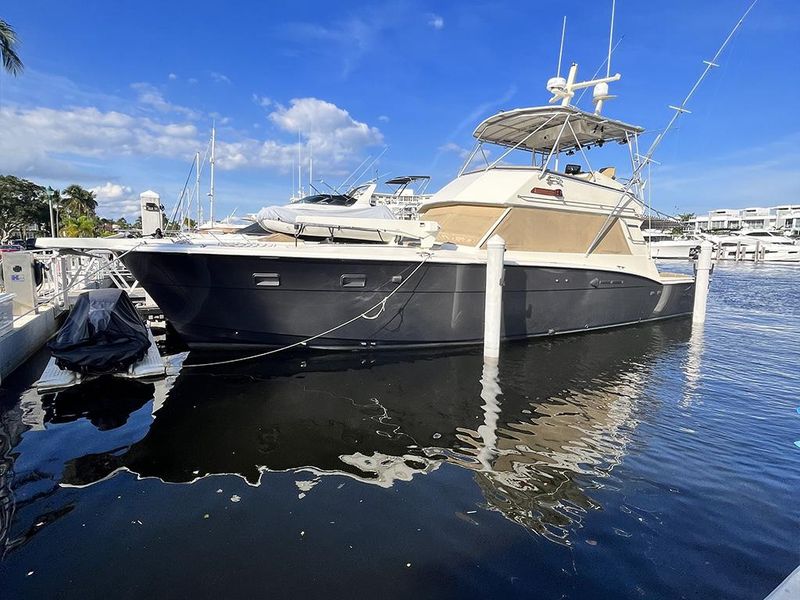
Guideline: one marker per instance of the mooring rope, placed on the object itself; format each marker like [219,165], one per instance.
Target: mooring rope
[380,306]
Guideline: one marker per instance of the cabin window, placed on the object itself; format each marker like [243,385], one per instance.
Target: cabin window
[464,225]
[542,230]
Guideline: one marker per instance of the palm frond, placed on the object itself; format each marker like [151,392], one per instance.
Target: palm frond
[8,40]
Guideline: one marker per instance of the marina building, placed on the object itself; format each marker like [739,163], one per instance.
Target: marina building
[785,217]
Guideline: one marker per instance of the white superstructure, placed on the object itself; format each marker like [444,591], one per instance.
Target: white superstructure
[784,217]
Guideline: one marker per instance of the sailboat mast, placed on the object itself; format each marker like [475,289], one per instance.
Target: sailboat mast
[310,168]
[213,157]
[299,168]
[197,188]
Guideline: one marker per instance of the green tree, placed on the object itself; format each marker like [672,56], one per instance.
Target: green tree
[80,226]
[8,53]
[22,204]
[77,201]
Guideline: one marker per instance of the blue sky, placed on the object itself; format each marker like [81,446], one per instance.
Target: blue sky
[118,96]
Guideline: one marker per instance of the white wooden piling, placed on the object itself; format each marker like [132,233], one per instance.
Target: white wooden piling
[493,312]
[701,282]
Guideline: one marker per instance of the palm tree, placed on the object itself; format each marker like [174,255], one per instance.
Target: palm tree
[82,226]
[79,201]
[8,39]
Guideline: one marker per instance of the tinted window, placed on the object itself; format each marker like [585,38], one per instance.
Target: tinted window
[329,199]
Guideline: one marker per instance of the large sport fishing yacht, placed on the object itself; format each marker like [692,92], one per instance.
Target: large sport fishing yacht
[576,259]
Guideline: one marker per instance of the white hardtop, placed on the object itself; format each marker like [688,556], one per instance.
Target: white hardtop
[538,128]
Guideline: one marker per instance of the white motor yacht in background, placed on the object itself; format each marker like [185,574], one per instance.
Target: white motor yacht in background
[228,225]
[768,236]
[575,261]
[359,203]
[664,245]
[404,201]
[756,245]
[297,219]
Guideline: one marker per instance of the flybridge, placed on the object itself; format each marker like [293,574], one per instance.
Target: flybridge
[543,129]
[547,131]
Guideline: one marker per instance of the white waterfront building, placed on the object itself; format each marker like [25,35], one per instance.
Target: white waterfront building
[784,217]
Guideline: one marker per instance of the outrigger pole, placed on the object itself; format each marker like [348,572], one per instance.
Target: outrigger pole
[626,197]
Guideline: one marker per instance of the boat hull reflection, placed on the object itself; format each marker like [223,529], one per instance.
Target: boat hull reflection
[555,416]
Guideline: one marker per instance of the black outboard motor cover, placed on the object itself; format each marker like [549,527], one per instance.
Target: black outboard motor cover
[102,334]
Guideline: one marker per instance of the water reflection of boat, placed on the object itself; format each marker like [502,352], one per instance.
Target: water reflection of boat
[562,420]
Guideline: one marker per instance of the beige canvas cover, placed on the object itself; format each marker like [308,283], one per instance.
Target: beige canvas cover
[463,224]
[542,230]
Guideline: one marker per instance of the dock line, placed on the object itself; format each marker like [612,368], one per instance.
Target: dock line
[364,315]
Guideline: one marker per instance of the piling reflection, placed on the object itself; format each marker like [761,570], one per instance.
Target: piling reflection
[692,363]
[539,432]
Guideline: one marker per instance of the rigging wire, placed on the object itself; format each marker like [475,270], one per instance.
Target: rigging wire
[626,197]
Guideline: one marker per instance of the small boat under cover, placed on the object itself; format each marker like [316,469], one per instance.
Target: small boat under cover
[103,334]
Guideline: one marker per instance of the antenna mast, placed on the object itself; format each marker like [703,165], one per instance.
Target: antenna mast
[600,93]
[610,38]
[561,47]
[563,89]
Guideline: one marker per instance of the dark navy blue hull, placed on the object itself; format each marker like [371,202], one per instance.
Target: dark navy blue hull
[242,301]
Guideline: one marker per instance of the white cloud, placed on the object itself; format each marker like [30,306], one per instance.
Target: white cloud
[36,140]
[40,142]
[191,80]
[262,101]
[335,138]
[348,39]
[219,77]
[383,119]
[172,76]
[455,149]
[115,200]
[334,135]
[150,96]
[435,21]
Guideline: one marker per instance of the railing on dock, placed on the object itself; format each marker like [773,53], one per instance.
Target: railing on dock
[60,278]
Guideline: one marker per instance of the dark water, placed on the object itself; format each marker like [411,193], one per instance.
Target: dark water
[646,462]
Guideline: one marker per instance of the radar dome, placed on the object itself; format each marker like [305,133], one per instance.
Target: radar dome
[556,84]
[600,91]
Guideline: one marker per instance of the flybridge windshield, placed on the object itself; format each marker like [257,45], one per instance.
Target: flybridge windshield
[329,199]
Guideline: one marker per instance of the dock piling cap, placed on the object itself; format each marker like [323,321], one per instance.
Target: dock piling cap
[496,242]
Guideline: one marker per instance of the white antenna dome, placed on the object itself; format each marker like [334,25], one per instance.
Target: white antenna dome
[600,91]
[556,84]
